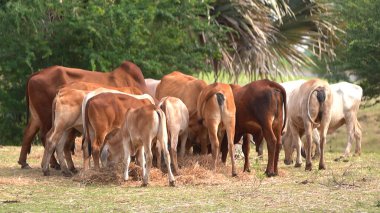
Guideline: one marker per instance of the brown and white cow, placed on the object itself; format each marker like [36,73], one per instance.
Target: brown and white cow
[141,127]
[260,107]
[67,115]
[42,87]
[186,88]
[216,110]
[152,84]
[103,116]
[177,120]
[311,107]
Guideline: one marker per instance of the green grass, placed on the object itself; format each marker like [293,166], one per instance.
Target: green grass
[352,186]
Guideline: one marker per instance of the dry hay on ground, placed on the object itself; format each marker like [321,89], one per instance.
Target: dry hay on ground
[194,170]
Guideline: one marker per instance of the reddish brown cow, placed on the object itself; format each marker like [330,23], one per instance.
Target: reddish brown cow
[259,109]
[42,87]
[187,88]
[104,115]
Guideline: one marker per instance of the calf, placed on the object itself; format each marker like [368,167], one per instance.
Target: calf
[216,110]
[177,119]
[141,126]
[259,111]
[103,116]
[310,106]
[67,116]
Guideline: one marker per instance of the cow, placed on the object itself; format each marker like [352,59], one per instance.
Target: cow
[187,88]
[177,119]
[311,107]
[42,87]
[260,110]
[67,115]
[103,116]
[216,111]
[140,127]
[151,84]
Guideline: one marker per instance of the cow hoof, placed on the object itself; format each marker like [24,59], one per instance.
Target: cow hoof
[25,166]
[234,174]
[172,183]
[338,159]
[55,166]
[74,170]
[322,167]
[144,184]
[308,167]
[46,173]
[67,174]
[247,170]
[270,174]
[297,165]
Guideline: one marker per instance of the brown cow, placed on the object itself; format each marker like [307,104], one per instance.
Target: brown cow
[259,110]
[216,110]
[186,88]
[177,119]
[104,115]
[67,115]
[141,127]
[311,108]
[42,87]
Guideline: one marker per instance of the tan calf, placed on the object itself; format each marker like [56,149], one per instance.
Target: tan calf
[141,127]
[216,109]
[311,108]
[177,120]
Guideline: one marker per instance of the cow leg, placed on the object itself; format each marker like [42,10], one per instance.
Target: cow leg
[29,133]
[86,155]
[298,146]
[183,138]
[271,140]
[99,140]
[308,134]
[69,143]
[60,154]
[173,152]
[278,132]
[167,161]
[141,159]
[224,148]
[158,151]
[127,158]
[316,141]
[212,125]
[43,135]
[246,148]
[358,137]
[148,164]
[230,130]
[52,139]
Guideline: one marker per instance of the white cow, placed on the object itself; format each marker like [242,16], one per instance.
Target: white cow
[177,119]
[151,84]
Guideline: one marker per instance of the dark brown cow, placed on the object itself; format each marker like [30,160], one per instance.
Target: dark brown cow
[187,88]
[259,110]
[42,87]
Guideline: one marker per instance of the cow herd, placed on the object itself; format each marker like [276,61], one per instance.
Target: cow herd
[120,114]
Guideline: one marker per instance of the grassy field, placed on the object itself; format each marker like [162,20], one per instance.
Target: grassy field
[352,186]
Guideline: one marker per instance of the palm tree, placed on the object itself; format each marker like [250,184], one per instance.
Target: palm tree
[269,38]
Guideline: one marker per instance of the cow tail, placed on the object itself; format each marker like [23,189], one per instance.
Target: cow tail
[86,132]
[163,107]
[283,93]
[220,98]
[321,97]
[162,134]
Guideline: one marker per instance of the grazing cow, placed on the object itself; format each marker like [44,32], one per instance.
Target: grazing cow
[177,119]
[42,87]
[151,85]
[103,116]
[186,88]
[310,106]
[67,115]
[259,111]
[140,127]
[216,110]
